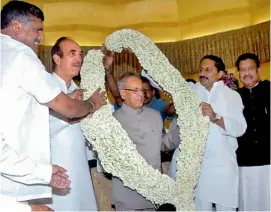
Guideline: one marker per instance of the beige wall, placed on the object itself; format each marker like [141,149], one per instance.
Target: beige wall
[161,22]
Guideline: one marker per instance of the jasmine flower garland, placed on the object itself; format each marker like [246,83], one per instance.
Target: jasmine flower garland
[117,152]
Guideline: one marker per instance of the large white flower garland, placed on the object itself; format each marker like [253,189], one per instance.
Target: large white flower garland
[118,153]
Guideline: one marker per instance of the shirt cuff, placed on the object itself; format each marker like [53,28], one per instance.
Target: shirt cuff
[44,172]
[227,127]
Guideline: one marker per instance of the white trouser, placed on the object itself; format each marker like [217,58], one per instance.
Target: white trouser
[254,188]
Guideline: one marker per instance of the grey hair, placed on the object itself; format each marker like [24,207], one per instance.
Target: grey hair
[124,77]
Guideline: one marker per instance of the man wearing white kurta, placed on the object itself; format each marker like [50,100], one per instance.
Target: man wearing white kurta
[20,98]
[20,169]
[8,159]
[27,91]
[68,149]
[218,182]
[68,144]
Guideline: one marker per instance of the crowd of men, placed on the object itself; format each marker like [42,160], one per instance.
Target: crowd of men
[43,154]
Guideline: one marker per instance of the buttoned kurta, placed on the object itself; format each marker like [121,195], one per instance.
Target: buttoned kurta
[68,149]
[25,88]
[218,182]
[20,168]
[256,140]
[253,153]
[144,127]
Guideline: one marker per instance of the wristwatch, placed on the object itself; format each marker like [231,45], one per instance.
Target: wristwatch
[217,117]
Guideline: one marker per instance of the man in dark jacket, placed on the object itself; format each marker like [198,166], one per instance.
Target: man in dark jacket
[253,153]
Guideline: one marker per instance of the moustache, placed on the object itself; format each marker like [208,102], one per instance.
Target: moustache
[247,77]
[203,77]
[77,64]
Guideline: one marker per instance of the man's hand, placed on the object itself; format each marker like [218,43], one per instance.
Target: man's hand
[98,98]
[40,208]
[207,110]
[170,109]
[75,120]
[167,94]
[108,57]
[59,178]
[77,94]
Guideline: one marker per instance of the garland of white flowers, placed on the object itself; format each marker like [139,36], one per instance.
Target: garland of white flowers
[117,152]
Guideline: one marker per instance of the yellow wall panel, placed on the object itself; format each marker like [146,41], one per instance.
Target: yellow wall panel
[90,21]
[196,7]
[212,25]
[260,15]
[83,38]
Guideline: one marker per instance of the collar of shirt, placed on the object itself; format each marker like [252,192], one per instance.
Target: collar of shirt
[19,45]
[130,110]
[3,35]
[216,85]
[255,87]
[62,84]
[152,101]
[256,84]
[208,95]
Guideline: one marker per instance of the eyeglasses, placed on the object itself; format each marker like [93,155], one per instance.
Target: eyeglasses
[147,90]
[136,90]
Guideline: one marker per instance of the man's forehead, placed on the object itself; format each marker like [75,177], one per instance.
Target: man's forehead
[134,81]
[36,21]
[207,62]
[147,84]
[70,45]
[247,62]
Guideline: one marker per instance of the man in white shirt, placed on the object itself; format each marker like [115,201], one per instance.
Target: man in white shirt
[67,136]
[27,91]
[218,182]
[25,170]
[10,204]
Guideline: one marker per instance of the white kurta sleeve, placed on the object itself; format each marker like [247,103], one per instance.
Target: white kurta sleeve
[235,123]
[22,169]
[35,80]
[8,203]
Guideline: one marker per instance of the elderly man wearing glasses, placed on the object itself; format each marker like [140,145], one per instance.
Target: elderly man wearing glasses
[144,127]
